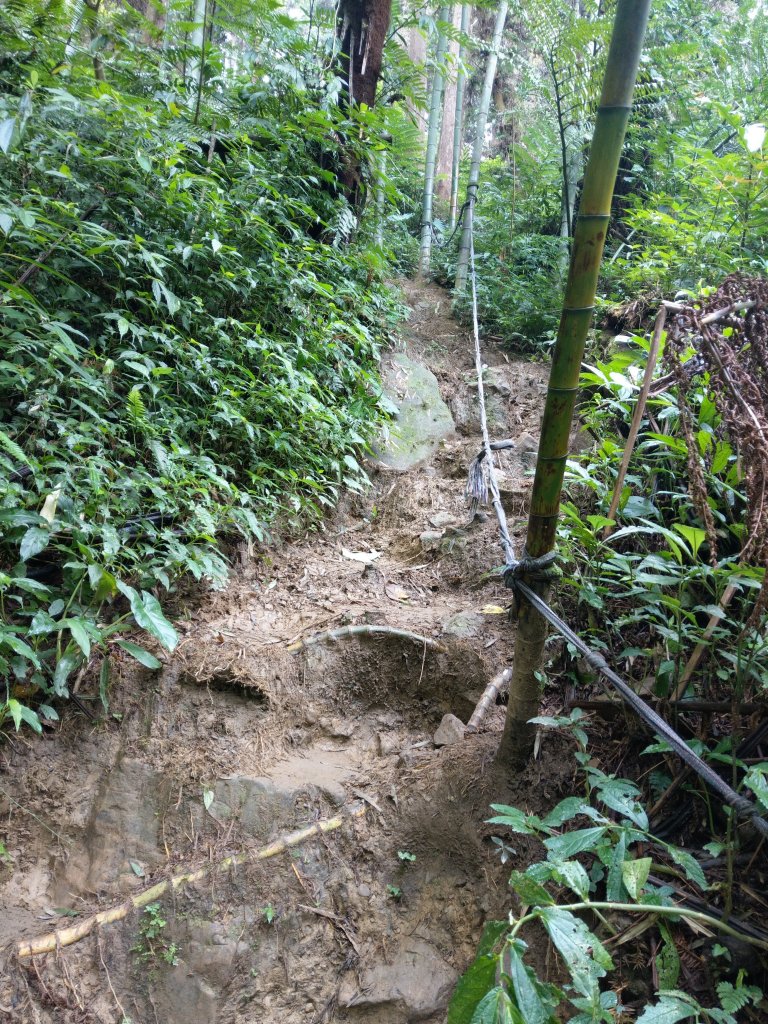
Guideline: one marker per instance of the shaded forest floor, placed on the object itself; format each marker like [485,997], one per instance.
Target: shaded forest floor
[240,739]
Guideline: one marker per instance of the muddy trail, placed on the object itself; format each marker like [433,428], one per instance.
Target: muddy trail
[250,732]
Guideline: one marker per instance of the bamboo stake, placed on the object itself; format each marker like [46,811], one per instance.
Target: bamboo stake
[589,238]
[52,941]
[637,418]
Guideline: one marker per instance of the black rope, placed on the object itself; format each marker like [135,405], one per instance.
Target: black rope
[513,577]
[518,572]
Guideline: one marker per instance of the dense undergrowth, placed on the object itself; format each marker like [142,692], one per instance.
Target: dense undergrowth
[189,340]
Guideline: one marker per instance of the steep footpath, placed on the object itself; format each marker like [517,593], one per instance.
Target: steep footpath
[250,731]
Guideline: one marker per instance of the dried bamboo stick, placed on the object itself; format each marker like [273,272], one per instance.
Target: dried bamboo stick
[637,416]
[52,941]
[701,648]
[365,630]
[488,698]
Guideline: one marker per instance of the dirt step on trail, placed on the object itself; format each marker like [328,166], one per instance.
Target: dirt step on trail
[250,732]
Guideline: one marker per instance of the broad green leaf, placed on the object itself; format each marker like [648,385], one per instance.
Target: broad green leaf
[615,889]
[669,1009]
[515,819]
[529,890]
[568,808]
[158,626]
[33,542]
[64,668]
[570,843]
[634,874]
[104,674]
[585,957]
[756,779]
[690,866]
[692,534]
[525,985]
[471,988]
[21,713]
[6,132]
[492,932]
[573,874]
[622,796]
[19,647]
[497,1008]
[79,635]
[667,959]
[142,656]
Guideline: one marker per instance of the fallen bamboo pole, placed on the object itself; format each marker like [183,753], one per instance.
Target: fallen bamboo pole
[53,941]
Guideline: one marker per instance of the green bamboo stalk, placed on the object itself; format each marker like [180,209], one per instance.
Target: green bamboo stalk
[462,263]
[589,238]
[458,124]
[433,138]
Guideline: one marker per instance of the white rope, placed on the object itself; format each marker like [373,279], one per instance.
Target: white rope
[493,486]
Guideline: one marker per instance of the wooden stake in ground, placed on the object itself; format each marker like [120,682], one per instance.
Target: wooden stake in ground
[589,238]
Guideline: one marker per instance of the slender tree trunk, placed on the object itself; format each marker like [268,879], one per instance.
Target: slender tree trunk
[458,124]
[447,128]
[433,134]
[589,238]
[380,197]
[477,150]
[361,32]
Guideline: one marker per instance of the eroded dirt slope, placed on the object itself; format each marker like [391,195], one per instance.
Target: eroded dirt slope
[249,731]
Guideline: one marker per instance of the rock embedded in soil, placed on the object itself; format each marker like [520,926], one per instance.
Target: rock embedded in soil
[451,730]
[430,540]
[423,418]
[415,985]
[463,624]
[441,519]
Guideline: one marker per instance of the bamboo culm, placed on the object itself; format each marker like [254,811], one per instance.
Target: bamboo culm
[589,238]
[458,124]
[433,137]
[462,263]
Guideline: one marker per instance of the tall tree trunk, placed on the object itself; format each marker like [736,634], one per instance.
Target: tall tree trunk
[586,254]
[416,47]
[462,263]
[381,174]
[458,123]
[361,31]
[433,134]
[445,145]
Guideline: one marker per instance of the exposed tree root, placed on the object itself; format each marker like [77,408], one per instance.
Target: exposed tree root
[365,630]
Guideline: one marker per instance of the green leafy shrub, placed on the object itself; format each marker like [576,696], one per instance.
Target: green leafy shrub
[600,861]
[189,341]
